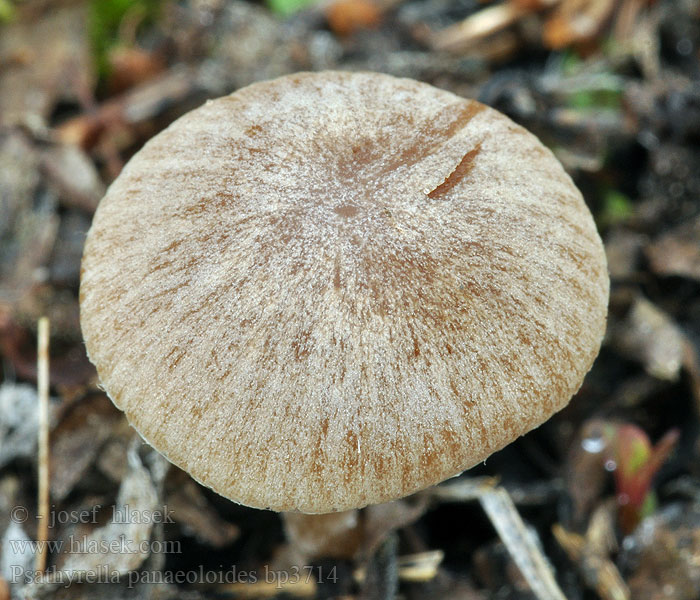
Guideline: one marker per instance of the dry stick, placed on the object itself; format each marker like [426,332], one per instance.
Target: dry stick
[477,26]
[482,24]
[43,390]
[506,520]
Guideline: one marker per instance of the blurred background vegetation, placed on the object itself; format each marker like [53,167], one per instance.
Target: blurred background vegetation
[609,489]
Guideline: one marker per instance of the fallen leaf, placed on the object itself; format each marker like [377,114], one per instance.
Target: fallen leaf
[650,336]
[345,17]
[335,535]
[56,64]
[16,555]
[193,512]
[121,545]
[596,567]
[74,176]
[19,422]
[662,557]
[575,21]
[623,249]
[77,439]
[130,66]
[677,252]
[28,219]
[382,519]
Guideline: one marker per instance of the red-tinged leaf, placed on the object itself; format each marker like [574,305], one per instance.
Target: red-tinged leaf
[661,451]
[633,449]
[635,462]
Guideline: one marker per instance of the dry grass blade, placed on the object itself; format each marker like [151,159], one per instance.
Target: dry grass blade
[420,567]
[505,518]
[477,26]
[599,572]
[512,531]
[303,587]
[414,568]
[484,23]
[43,390]
[576,21]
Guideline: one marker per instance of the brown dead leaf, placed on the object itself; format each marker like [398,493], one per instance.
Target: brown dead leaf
[112,459]
[117,121]
[56,63]
[381,519]
[123,542]
[77,439]
[74,176]
[575,22]
[130,66]
[348,534]
[478,26]
[345,17]
[677,252]
[594,564]
[69,368]
[663,555]
[650,336]
[19,421]
[28,219]
[623,249]
[336,535]
[195,514]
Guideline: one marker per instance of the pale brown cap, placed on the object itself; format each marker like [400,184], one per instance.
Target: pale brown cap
[335,289]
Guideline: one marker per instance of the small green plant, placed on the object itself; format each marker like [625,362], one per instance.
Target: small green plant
[616,207]
[288,7]
[106,17]
[7,11]
[634,462]
[595,99]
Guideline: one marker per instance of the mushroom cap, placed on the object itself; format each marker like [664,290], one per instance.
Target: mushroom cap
[335,289]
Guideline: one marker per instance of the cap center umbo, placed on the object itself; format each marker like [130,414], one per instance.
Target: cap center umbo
[346,210]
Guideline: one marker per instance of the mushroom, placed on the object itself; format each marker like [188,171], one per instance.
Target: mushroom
[335,289]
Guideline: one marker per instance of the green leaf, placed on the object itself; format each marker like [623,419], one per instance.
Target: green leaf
[570,62]
[7,11]
[649,505]
[595,99]
[638,455]
[617,207]
[105,19]
[288,7]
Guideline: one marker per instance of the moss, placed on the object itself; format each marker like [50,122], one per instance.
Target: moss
[105,20]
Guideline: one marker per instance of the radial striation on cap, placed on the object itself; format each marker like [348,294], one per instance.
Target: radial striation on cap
[336,289]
